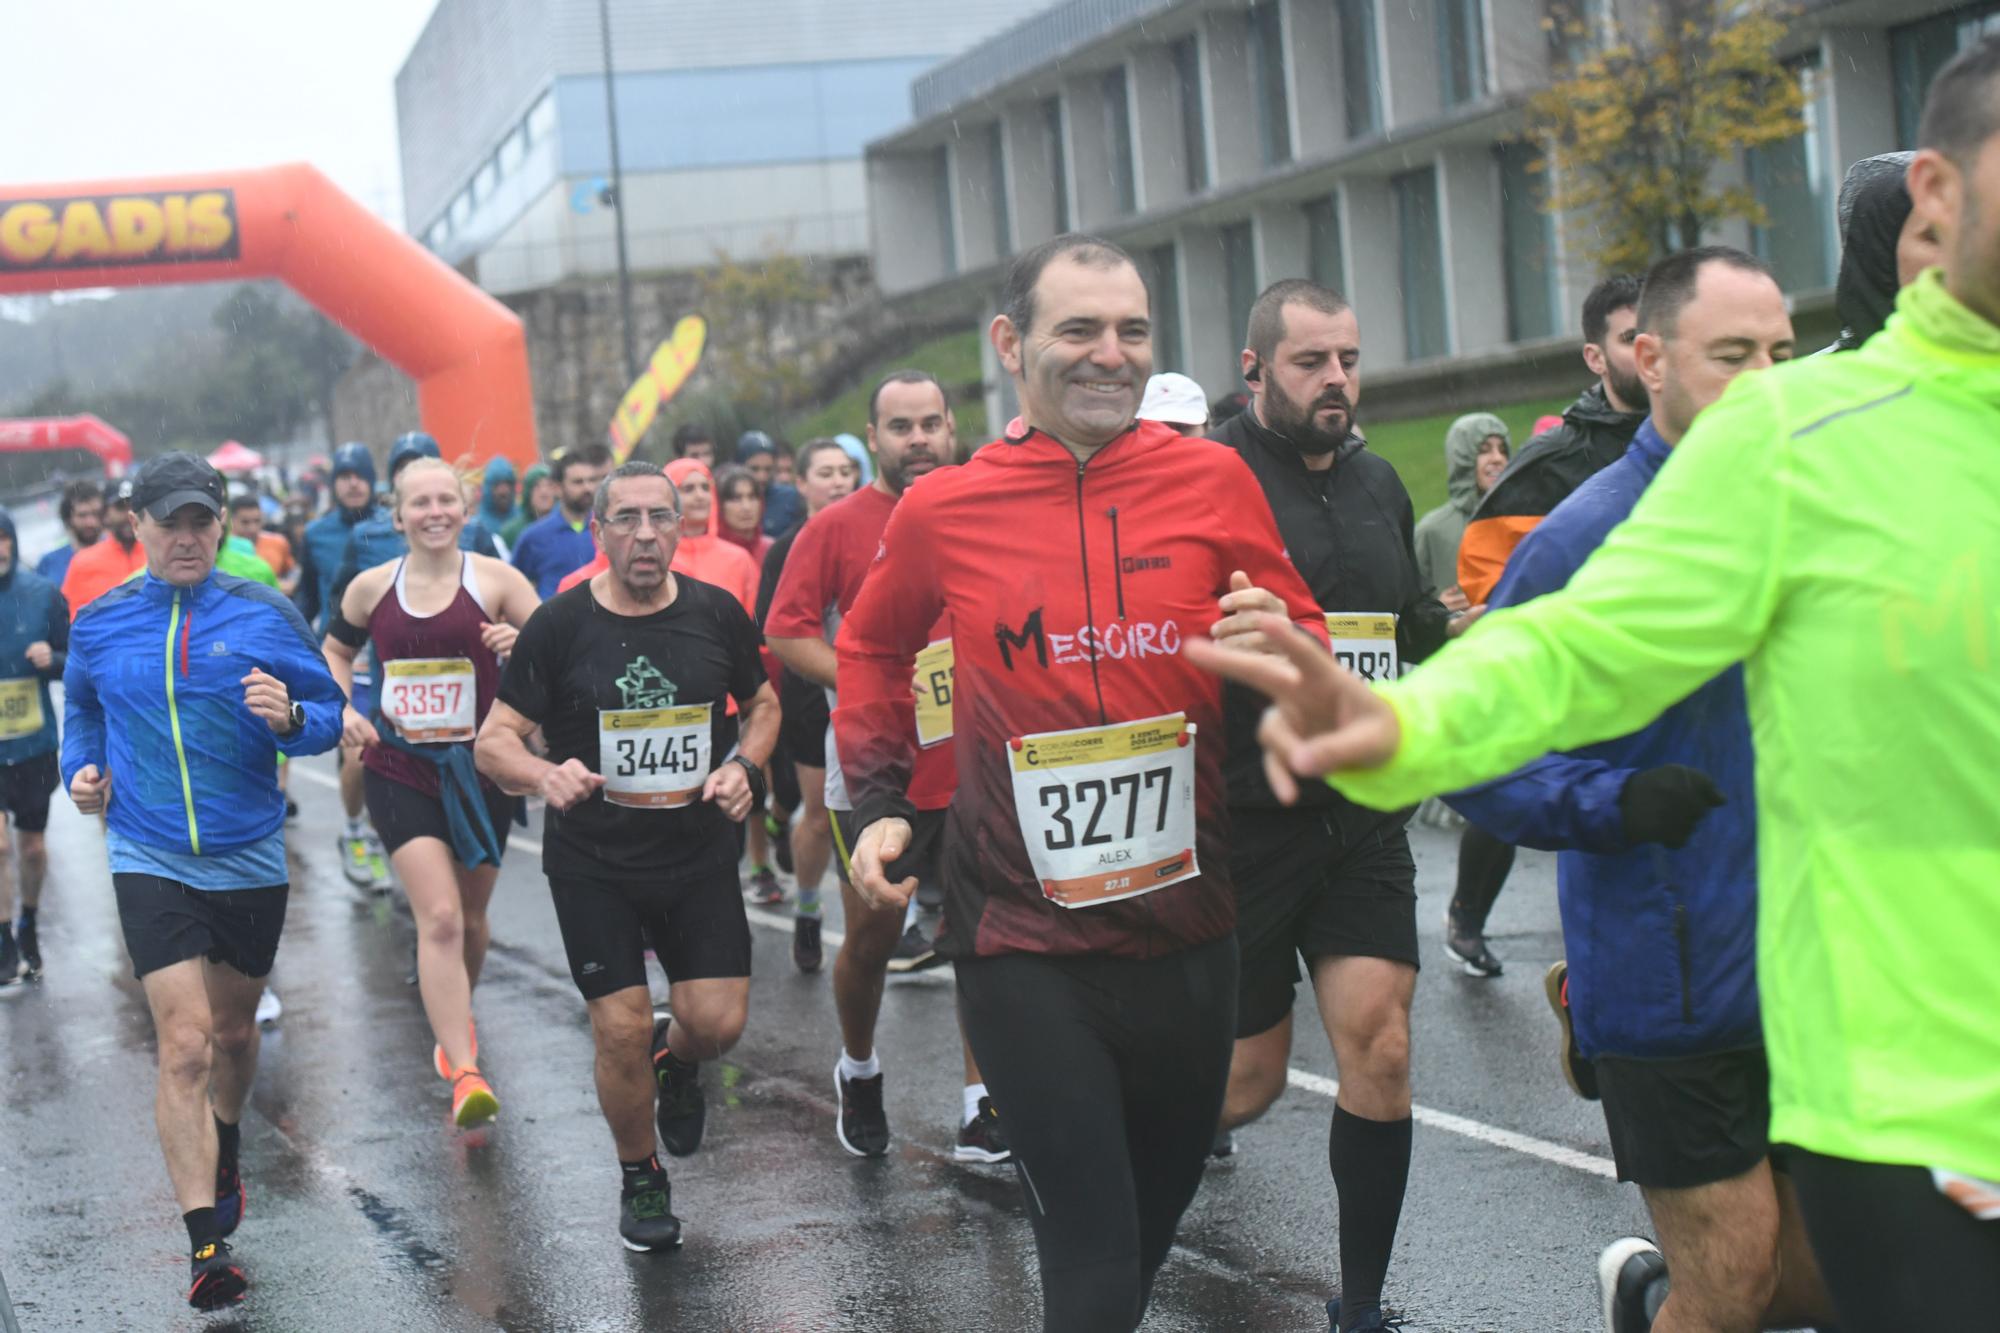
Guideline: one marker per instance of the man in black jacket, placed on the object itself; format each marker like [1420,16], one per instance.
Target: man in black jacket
[1327,880]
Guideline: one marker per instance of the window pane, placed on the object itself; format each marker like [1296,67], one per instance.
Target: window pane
[513,151]
[1118,119]
[1461,51]
[1166,284]
[1360,85]
[1194,125]
[1267,50]
[941,174]
[1790,181]
[1324,263]
[1052,133]
[541,120]
[996,155]
[485,181]
[1919,50]
[1239,258]
[1527,238]
[1424,332]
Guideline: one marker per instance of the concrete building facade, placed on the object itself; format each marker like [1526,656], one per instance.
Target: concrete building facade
[741,126]
[1368,144]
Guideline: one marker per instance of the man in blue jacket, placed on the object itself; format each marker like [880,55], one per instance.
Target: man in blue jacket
[182,687]
[1657,881]
[559,542]
[81,510]
[34,634]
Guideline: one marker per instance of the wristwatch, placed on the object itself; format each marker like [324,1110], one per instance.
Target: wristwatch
[295,720]
[756,776]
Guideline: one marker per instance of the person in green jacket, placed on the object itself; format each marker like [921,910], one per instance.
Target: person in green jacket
[535,500]
[1476,449]
[1834,524]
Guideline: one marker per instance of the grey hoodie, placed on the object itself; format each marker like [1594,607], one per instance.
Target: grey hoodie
[1438,532]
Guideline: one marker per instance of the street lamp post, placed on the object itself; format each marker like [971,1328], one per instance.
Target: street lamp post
[617,196]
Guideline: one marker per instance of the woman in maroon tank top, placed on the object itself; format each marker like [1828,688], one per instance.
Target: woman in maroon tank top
[440,620]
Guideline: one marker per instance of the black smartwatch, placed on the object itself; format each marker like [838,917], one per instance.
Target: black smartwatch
[295,721]
[756,775]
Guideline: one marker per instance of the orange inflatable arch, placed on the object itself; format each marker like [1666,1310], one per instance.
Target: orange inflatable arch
[465,350]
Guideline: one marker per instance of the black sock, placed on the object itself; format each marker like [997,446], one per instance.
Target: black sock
[228,1138]
[641,1167]
[1370,1160]
[28,914]
[201,1227]
[6,932]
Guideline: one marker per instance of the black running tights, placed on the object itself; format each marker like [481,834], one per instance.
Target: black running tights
[1108,1075]
[1895,1252]
[1483,863]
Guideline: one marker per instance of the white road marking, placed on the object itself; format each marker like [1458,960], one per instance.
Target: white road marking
[1318,1084]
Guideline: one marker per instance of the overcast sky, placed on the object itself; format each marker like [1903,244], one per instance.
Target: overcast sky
[114,88]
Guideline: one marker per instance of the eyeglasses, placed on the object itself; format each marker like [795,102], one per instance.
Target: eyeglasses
[626,522]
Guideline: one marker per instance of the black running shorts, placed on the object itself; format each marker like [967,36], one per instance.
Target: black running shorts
[920,858]
[167,922]
[1690,1121]
[1300,894]
[696,926]
[25,789]
[802,727]
[400,812]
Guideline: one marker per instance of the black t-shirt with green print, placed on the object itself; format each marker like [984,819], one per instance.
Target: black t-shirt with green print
[575,659]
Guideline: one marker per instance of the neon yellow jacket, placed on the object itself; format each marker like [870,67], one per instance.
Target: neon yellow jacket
[1835,524]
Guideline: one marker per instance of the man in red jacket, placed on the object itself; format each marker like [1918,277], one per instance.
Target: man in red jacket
[1085,866]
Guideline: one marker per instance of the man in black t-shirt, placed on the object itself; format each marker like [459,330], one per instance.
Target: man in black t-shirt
[630,678]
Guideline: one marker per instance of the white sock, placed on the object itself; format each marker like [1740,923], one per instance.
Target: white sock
[851,1068]
[973,1092]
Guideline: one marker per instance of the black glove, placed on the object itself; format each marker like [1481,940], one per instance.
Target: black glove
[1664,804]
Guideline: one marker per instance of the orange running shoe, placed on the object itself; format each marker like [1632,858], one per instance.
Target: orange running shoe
[472,1099]
[442,1065]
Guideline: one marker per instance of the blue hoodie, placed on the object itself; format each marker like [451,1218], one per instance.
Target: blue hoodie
[1661,943]
[490,514]
[32,610]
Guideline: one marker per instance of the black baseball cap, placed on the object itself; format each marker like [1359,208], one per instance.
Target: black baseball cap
[174,481]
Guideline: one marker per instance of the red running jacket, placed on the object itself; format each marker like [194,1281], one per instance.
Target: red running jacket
[1071,588]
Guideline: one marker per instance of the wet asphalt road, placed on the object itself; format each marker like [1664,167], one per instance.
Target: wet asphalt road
[368,1211]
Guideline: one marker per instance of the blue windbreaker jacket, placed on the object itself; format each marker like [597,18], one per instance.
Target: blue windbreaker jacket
[1661,943]
[32,610]
[326,543]
[192,769]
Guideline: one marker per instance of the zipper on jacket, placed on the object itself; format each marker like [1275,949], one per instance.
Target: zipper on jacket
[1687,963]
[174,717]
[1117,561]
[1089,614]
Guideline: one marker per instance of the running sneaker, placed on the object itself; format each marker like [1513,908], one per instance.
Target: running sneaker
[269,1010]
[215,1279]
[1624,1271]
[1224,1144]
[291,809]
[354,860]
[764,888]
[780,833]
[472,1099]
[10,960]
[232,1201]
[442,1065]
[378,865]
[1469,948]
[914,952]
[981,1139]
[681,1111]
[862,1125]
[30,943]
[646,1220]
[1577,1071]
[806,952]
[1381,1319]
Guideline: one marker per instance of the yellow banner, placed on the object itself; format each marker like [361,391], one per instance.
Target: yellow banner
[127,230]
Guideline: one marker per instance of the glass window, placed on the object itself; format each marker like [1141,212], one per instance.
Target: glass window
[1239,260]
[1527,239]
[1058,150]
[485,181]
[1424,333]
[1461,51]
[941,178]
[1790,179]
[1163,275]
[439,233]
[1267,55]
[1118,120]
[1325,264]
[996,157]
[1917,51]
[461,210]
[1194,124]
[1360,81]
[513,151]
[541,121]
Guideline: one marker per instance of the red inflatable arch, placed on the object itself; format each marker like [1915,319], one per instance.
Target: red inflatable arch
[465,350]
[80,432]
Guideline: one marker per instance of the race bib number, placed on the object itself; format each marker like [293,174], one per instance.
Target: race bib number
[1107,812]
[20,708]
[654,758]
[1365,644]
[933,684]
[431,700]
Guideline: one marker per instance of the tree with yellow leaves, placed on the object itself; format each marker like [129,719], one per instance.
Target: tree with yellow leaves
[1642,114]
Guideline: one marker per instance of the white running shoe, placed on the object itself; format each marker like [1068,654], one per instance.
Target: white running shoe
[269,1010]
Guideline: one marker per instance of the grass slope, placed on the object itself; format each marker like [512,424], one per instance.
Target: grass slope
[954,359]
[1416,446]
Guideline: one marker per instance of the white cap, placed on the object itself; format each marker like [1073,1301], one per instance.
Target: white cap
[1175,399]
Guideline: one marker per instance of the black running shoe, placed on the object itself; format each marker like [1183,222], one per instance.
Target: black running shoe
[681,1110]
[1224,1144]
[764,888]
[982,1139]
[862,1125]
[31,950]
[1469,948]
[806,952]
[914,952]
[1381,1319]
[232,1201]
[1624,1271]
[215,1279]
[646,1220]
[10,960]
[1579,1072]
[780,833]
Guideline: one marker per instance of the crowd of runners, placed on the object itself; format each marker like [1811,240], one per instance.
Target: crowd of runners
[1719,638]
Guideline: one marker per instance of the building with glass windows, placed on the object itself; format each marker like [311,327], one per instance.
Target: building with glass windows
[1368,144]
[740,126]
